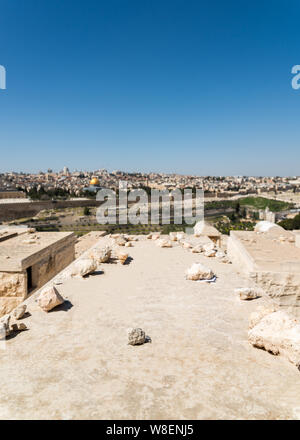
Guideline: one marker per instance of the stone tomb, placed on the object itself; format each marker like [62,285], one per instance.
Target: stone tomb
[28,261]
[271,259]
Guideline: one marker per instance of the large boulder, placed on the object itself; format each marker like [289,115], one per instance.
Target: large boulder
[278,334]
[83,266]
[260,312]
[49,298]
[199,272]
[101,255]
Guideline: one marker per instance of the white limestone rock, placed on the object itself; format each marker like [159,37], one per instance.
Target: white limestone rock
[155,236]
[164,243]
[199,272]
[197,249]
[220,254]
[278,334]
[120,241]
[259,314]
[136,336]
[19,311]
[208,247]
[186,245]
[4,326]
[128,244]
[246,293]
[102,255]
[122,257]
[49,298]
[173,236]
[83,267]
[210,253]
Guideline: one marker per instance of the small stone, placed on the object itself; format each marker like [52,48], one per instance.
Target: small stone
[246,293]
[19,311]
[211,253]
[18,327]
[122,257]
[199,272]
[4,327]
[136,336]
[164,243]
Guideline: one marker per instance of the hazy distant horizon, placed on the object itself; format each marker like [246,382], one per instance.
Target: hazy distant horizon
[149,172]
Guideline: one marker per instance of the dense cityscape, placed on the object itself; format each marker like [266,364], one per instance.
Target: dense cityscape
[78,183]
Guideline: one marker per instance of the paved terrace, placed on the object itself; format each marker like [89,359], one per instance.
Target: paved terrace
[74,363]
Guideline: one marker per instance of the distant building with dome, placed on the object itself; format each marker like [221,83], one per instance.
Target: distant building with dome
[94,185]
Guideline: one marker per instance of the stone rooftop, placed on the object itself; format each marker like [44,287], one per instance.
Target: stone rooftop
[74,362]
[19,252]
[268,252]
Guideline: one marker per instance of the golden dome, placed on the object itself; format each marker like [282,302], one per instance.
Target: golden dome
[94,181]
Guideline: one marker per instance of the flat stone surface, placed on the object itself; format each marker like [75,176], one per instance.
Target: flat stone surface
[268,253]
[75,363]
[19,251]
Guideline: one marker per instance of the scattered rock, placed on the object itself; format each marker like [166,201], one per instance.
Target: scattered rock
[101,255]
[19,311]
[83,266]
[18,327]
[49,298]
[122,257]
[164,243]
[120,241]
[210,253]
[208,247]
[246,293]
[4,327]
[180,236]
[278,334]
[29,241]
[132,238]
[197,249]
[136,336]
[155,236]
[173,236]
[128,244]
[220,254]
[186,245]
[199,272]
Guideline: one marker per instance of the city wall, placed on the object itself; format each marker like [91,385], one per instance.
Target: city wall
[13,211]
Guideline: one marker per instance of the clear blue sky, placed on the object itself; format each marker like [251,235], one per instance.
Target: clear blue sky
[193,87]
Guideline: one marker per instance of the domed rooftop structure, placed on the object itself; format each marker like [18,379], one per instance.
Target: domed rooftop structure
[95,181]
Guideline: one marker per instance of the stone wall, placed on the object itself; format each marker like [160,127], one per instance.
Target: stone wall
[282,287]
[13,211]
[51,264]
[13,290]
[238,254]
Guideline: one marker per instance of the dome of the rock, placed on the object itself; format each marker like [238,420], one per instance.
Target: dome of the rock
[94,181]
